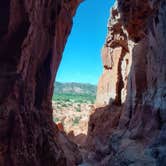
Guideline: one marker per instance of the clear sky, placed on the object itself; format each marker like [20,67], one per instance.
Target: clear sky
[81,60]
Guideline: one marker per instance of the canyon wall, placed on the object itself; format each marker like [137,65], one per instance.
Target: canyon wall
[116,64]
[33,34]
[134,79]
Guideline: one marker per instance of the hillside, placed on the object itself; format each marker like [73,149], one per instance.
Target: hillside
[75,88]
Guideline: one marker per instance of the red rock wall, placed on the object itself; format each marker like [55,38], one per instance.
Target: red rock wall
[140,26]
[116,64]
[134,62]
[32,38]
[145,106]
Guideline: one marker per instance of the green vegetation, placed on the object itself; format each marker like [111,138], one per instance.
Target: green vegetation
[75,88]
[59,107]
[76,120]
[76,98]
[73,96]
[64,105]
[78,109]
[56,120]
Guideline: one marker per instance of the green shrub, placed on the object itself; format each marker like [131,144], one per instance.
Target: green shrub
[59,107]
[78,109]
[70,104]
[76,120]
[64,105]
[70,97]
[56,119]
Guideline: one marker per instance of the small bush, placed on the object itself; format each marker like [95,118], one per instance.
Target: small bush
[76,120]
[64,105]
[59,107]
[56,119]
[78,109]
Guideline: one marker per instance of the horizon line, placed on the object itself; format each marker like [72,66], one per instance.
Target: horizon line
[75,82]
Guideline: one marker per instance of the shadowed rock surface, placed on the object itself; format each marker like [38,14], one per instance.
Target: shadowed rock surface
[134,74]
[32,38]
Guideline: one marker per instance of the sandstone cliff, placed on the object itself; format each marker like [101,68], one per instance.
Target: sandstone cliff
[134,78]
[33,34]
[116,63]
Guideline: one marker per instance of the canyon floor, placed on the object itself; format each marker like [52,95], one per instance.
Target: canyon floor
[77,117]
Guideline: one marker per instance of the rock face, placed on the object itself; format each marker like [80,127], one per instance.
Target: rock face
[32,38]
[138,79]
[116,64]
[101,125]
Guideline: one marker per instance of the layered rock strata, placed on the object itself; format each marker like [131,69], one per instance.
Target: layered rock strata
[32,38]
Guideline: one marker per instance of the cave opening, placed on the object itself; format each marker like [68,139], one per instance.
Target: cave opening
[129,130]
[76,82]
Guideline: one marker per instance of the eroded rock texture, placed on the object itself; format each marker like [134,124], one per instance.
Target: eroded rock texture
[116,64]
[33,34]
[135,78]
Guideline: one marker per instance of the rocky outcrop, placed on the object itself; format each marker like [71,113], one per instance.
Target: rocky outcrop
[32,38]
[139,138]
[116,64]
[146,83]
[101,125]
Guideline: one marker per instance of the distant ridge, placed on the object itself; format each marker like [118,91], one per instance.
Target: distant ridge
[75,88]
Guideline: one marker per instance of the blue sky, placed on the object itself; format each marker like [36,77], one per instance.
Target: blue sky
[81,60]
